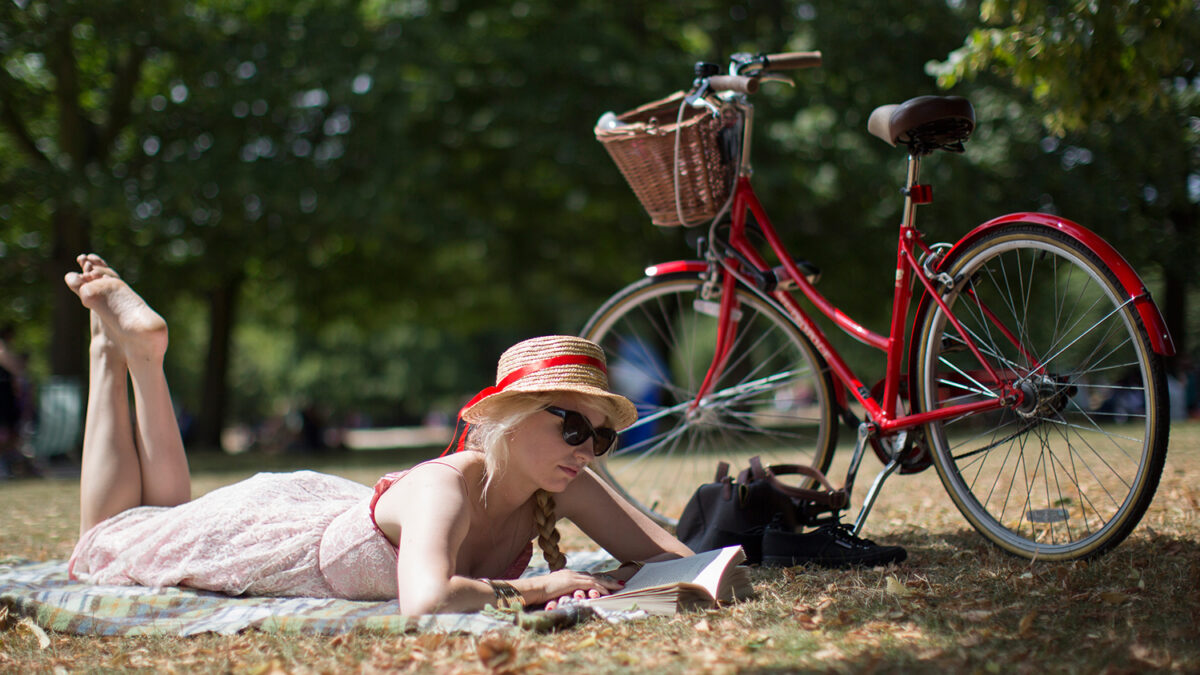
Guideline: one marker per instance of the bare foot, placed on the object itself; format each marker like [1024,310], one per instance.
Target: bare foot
[119,314]
[93,267]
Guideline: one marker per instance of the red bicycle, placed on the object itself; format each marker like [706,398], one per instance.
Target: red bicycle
[1031,378]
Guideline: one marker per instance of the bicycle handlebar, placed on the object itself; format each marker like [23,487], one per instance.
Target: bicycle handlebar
[791,60]
[755,69]
[739,83]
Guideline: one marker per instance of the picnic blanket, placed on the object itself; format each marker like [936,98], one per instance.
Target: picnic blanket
[44,592]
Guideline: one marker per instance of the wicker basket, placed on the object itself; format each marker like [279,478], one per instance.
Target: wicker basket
[644,149]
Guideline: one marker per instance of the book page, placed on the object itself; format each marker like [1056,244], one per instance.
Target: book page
[704,569]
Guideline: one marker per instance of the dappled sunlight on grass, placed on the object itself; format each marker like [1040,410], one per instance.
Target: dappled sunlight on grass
[956,604]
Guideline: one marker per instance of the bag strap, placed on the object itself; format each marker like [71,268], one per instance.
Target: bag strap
[829,496]
[723,478]
[722,471]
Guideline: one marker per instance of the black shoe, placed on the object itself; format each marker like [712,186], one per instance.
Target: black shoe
[826,546]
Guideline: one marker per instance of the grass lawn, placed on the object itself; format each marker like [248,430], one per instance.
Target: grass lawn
[956,605]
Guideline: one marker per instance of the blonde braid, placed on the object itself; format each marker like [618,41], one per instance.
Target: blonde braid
[543,518]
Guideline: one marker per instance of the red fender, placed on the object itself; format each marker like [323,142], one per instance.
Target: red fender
[699,267]
[1156,328]
[675,266]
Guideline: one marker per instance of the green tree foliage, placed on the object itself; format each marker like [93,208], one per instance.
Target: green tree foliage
[359,203]
[186,141]
[66,115]
[1117,85]
[1082,61]
[831,187]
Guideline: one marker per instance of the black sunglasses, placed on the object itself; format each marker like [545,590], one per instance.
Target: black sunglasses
[576,429]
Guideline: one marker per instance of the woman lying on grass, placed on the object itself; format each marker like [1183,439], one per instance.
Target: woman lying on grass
[449,535]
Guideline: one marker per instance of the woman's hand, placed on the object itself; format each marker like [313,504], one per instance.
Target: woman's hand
[558,586]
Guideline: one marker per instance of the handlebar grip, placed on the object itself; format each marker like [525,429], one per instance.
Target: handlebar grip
[792,60]
[738,83]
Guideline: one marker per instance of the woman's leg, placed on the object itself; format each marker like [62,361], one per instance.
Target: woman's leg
[126,464]
[110,477]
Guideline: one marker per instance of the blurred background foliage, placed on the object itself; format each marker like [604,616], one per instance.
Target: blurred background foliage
[357,204]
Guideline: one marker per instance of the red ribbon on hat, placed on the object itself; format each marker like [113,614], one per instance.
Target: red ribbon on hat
[553,361]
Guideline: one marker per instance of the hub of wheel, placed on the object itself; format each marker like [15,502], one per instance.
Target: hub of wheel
[703,413]
[1044,396]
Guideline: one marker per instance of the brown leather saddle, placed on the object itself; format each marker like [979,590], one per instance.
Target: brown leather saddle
[925,123]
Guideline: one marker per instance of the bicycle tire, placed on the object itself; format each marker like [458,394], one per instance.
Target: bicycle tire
[1069,471]
[774,399]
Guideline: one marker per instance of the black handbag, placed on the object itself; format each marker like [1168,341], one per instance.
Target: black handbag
[729,512]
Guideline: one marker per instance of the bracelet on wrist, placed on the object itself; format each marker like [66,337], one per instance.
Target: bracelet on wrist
[507,596]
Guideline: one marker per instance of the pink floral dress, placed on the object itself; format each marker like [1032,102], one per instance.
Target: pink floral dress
[284,534]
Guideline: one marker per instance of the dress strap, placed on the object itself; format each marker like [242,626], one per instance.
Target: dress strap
[518,566]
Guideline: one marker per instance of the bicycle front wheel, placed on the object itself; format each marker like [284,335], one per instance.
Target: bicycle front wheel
[1067,471]
[774,397]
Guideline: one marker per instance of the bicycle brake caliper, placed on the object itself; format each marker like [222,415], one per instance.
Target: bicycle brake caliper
[932,260]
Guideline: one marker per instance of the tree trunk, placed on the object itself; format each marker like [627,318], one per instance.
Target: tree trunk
[213,398]
[68,354]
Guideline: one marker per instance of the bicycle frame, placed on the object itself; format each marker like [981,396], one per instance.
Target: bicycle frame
[883,413]
[1030,324]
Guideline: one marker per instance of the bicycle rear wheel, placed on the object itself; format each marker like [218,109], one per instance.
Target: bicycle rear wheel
[1069,470]
[774,398]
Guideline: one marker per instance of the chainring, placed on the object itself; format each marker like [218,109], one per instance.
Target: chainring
[914,457]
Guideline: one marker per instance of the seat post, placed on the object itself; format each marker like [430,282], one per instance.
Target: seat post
[910,199]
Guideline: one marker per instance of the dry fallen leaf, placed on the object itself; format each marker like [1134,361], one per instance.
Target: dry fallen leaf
[1148,655]
[495,651]
[895,587]
[588,641]
[1025,628]
[701,626]
[273,668]
[29,625]
[829,654]
[431,640]
[807,617]
[977,615]
[1113,597]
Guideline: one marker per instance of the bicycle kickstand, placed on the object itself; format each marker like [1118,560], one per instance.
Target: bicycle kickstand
[864,436]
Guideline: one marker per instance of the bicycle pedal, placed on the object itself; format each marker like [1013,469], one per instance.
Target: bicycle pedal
[784,281]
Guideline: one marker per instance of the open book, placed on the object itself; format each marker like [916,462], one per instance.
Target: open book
[666,587]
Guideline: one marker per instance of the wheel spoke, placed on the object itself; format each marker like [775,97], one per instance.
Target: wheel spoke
[1069,468]
[771,399]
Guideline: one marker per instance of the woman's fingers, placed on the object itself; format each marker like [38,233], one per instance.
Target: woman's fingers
[581,586]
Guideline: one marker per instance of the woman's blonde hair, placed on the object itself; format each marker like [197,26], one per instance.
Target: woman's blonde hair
[491,438]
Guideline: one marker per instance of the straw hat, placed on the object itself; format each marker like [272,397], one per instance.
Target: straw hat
[555,363]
